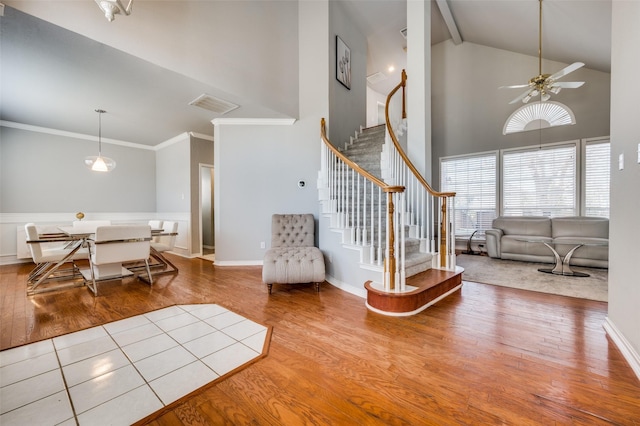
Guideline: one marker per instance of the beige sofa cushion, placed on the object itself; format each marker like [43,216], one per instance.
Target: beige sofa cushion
[582,227]
[524,225]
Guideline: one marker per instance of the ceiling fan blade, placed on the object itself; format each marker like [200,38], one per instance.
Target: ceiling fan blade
[521,97]
[568,84]
[517,86]
[566,70]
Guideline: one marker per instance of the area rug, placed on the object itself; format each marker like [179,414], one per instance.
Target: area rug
[525,276]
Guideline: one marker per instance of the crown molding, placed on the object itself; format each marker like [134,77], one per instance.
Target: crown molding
[74,135]
[92,138]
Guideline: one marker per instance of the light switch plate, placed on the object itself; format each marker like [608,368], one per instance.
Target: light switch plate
[620,161]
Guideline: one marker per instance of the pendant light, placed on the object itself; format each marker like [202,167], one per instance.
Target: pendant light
[100,163]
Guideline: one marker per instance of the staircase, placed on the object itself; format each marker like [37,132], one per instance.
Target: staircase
[366,150]
[385,210]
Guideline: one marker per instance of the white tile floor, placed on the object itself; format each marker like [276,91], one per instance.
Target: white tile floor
[123,371]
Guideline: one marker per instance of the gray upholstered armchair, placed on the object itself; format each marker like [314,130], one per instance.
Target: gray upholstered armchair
[293,258]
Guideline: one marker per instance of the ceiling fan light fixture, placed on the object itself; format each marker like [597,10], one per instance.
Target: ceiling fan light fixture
[545,84]
[99,163]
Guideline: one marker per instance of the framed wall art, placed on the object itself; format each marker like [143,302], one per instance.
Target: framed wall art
[343,63]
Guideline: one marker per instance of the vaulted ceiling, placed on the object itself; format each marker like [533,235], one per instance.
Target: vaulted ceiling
[54,77]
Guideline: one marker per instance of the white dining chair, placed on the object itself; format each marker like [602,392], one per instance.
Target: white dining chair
[164,243]
[156,224]
[49,257]
[112,246]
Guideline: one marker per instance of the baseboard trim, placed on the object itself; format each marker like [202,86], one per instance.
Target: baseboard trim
[237,262]
[346,287]
[12,259]
[621,342]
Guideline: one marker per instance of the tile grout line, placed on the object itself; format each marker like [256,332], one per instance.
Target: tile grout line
[132,364]
[64,381]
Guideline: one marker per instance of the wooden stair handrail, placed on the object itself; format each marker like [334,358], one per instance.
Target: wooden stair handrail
[385,187]
[408,162]
[390,261]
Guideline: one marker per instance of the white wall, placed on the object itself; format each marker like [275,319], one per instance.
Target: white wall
[469,111]
[624,255]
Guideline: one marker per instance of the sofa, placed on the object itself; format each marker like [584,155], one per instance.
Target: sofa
[522,238]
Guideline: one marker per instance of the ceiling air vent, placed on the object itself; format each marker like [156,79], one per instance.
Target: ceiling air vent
[404,33]
[217,105]
[376,78]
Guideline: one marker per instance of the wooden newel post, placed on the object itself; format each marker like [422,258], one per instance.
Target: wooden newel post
[404,85]
[443,234]
[390,264]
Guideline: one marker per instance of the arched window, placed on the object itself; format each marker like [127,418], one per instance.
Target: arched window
[538,115]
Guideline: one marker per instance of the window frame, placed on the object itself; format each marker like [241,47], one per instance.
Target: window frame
[496,155]
[580,168]
[548,146]
[583,172]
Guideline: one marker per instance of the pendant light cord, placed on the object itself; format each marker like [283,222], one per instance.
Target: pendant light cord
[100,112]
[540,41]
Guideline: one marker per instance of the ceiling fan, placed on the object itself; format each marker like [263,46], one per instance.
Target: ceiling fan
[545,84]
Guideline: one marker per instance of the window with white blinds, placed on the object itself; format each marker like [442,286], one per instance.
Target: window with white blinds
[539,182]
[596,178]
[473,179]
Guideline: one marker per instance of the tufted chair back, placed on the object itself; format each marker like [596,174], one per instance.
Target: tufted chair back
[292,230]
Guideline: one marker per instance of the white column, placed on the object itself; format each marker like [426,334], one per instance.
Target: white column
[419,85]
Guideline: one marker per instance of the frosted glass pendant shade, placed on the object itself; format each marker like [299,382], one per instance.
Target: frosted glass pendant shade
[100,163]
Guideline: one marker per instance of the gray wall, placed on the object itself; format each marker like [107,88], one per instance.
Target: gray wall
[257,169]
[624,254]
[469,111]
[347,108]
[45,173]
[172,177]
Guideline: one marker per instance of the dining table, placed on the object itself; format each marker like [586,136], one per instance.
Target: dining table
[78,237]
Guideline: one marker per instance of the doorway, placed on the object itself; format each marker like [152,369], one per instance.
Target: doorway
[381,117]
[207,235]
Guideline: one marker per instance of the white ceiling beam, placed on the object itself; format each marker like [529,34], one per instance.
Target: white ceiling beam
[445,11]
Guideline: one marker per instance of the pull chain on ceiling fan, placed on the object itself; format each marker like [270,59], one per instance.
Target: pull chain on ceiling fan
[545,84]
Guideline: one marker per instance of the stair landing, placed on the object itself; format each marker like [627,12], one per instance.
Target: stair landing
[430,287]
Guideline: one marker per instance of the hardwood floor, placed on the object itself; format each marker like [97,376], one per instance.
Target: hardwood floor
[485,355]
